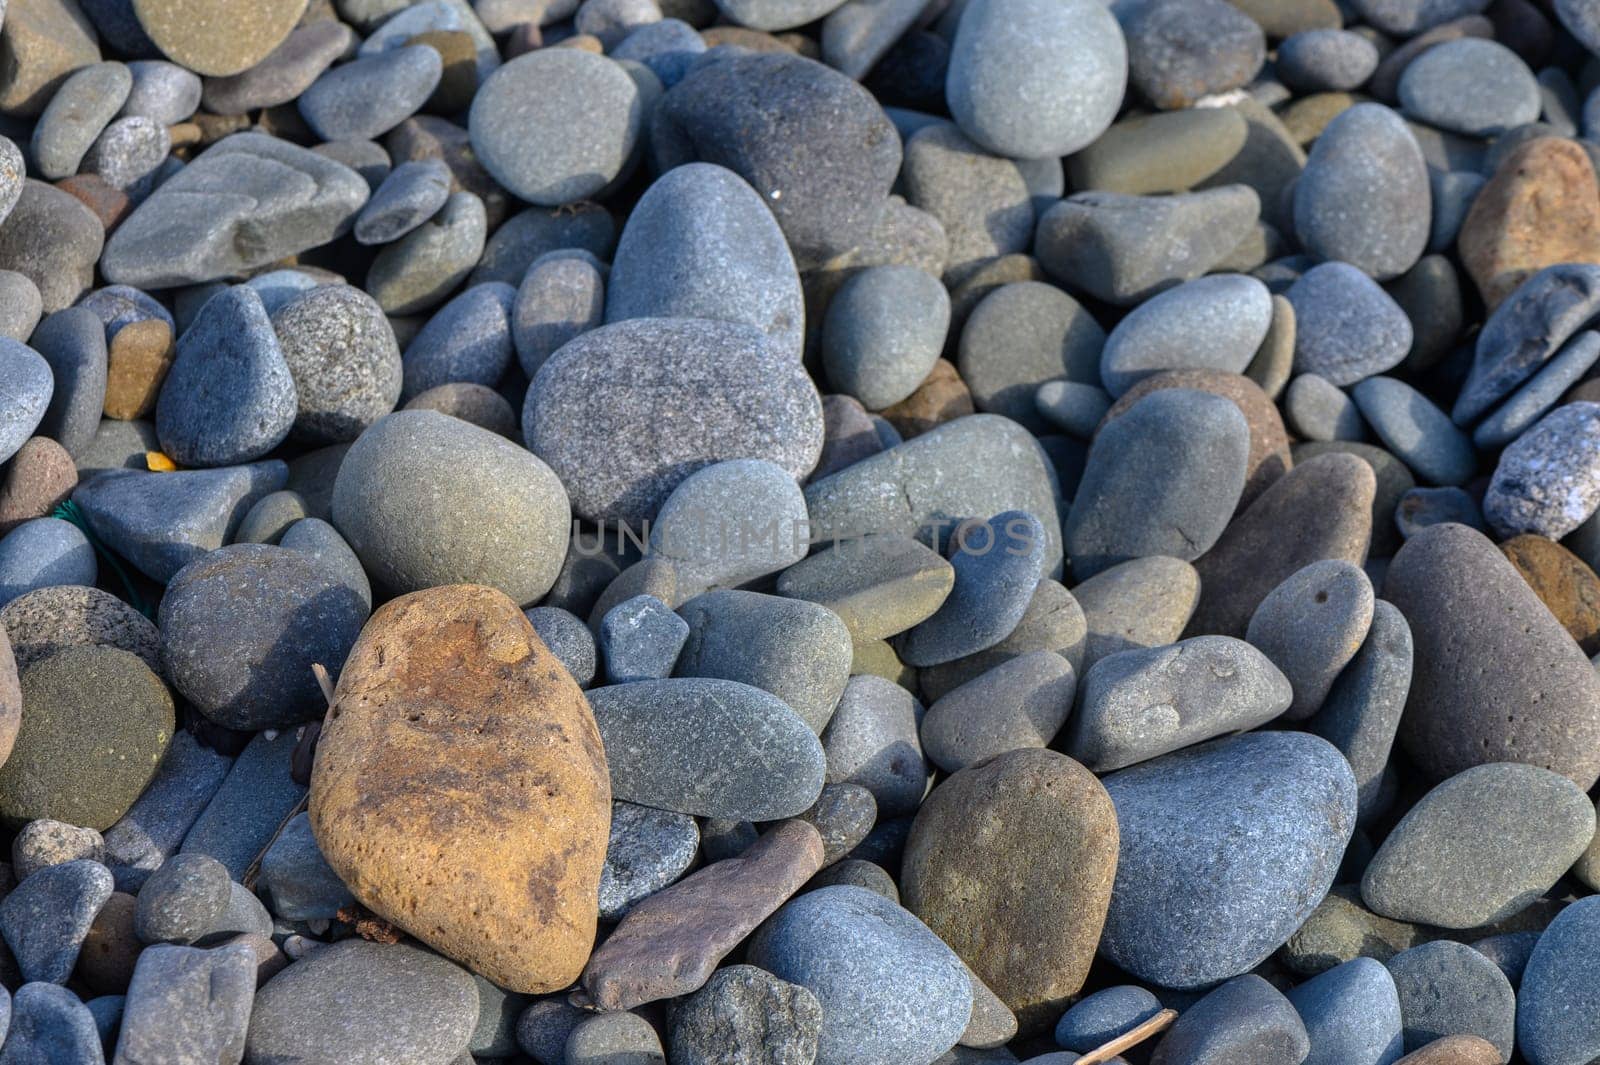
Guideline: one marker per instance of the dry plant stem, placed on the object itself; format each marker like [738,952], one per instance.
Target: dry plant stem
[1106,1051]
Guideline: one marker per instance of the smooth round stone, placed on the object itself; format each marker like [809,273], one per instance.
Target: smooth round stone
[568,638]
[701,243]
[368,97]
[730,523]
[411,194]
[40,476]
[98,723]
[1480,847]
[797,651]
[468,339]
[556,125]
[1028,79]
[1123,249]
[478,404]
[49,1023]
[1144,602]
[182,900]
[1351,1015]
[83,106]
[1011,863]
[1311,626]
[421,269]
[1326,60]
[982,201]
[1420,434]
[228,622]
[711,748]
[1450,989]
[419,479]
[1407,18]
[26,387]
[283,75]
[746,1012]
[46,919]
[271,517]
[1021,335]
[613,1039]
[1020,703]
[1364,197]
[1101,1017]
[1193,902]
[51,238]
[536,232]
[997,565]
[1074,408]
[1468,606]
[315,537]
[890,990]
[73,342]
[1182,50]
[360,1001]
[128,154]
[1052,621]
[163,92]
[640,639]
[1246,1019]
[1479,88]
[41,553]
[585,404]
[844,815]
[562,296]
[872,741]
[20,306]
[878,586]
[214,39]
[1548,481]
[884,330]
[1162,479]
[342,355]
[1346,327]
[648,849]
[814,145]
[1215,323]
[229,396]
[1560,993]
[1317,409]
[1141,704]
[668,48]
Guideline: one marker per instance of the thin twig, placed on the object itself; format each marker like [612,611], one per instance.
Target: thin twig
[1106,1051]
[324,681]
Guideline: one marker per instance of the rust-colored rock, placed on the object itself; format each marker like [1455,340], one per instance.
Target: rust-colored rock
[109,203]
[1011,862]
[1563,582]
[670,943]
[460,787]
[1454,1050]
[942,397]
[1269,443]
[40,475]
[137,361]
[1542,207]
[111,950]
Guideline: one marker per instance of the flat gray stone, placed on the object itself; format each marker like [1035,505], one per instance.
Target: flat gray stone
[1311,626]
[1346,327]
[730,523]
[1246,1019]
[997,563]
[187,1005]
[1144,602]
[298,879]
[411,194]
[421,269]
[1470,86]
[1211,323]
[255,799]
[1020,703]
[872,741]
[369,96]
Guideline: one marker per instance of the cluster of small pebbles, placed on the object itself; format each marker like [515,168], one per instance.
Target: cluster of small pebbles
[799,532]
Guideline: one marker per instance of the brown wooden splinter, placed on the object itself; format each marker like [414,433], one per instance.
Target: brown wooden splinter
[1106,1051]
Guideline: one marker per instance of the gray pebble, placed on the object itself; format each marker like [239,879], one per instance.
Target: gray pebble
[1211,323]
[1351,1014]
[118,306]
[1029,79]
[1021,335]
[884,330]
[188,1005]
[747,1012]
[1448,988]
[981,200]
[711,748]
[83,105]
[28,384]
[1480,847]
[872,741]
[557,125]
[859,33]
[163,92]
[1346,327]
[730,523]
[229,397]
[1246,1019]
[1018,704]
[618,1038]
[1311,626]
[41,553]
[1471,86]
[367,97]
[73,342]
[1104,1015]
[286,72]
[668,48]
[1162,479]
[1364,198]
[1144,602]
[1416,431]
[183,900]
[298,879]
[569,639]
[997,564]
[1453,192]
[46,918]
[879,585]
[342,356]
[129,154]
[640,639]
[1542,391]
[1407,18]
[1326,60]
[1140,704]
[315,537]
[1076,409]
[538,231]
[270,517]
[1422,507]
[20,306]
[1123,249]
[367,158]
[844,815]
[411,194]
[468,339]
[420,270]
[154,826]
[50,1026]
[255,799]
[44,843]
[53,239]
[648,850]
[612,20]
[1555,1021]
[1548,481]
[562,296]
[1317,409]
[1182,50]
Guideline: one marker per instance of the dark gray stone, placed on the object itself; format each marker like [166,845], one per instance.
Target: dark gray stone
[73,342]
[46,918]
[1020,703]
[1311,626]
[997,562]
[468,339]
[640,639]
[749,1014]
[343,357]
[54,240]
[1021,336]
[81,106]
[1211,323]
[186,1005]
[315,537]
[1326,60]
[286,72]
[298,879]
[648,850]
[1102,1016]
[28,384]
[731,523]
[154,826]
[872,741]
[255,799]
[1246,1020]
[668,48]
[50,1026]
[885,328]
[1542,391]
[568,638]
[1182,50]
[1418,432]
[1448,988]
[183,901]
[538,231]
[981,201]
[411,194]
[562,295]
